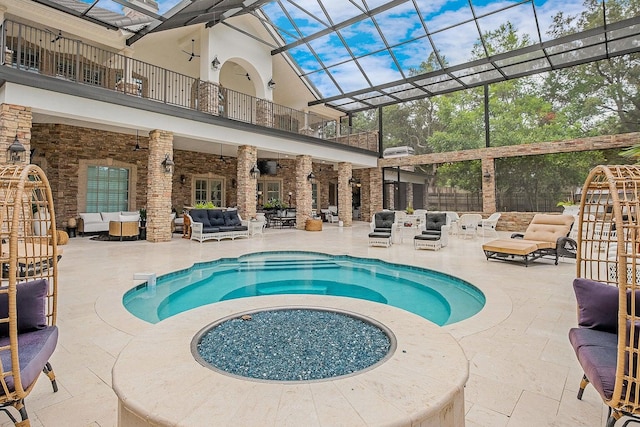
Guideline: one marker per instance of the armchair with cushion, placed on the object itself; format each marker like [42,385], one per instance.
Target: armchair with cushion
[435,232]
[382,228]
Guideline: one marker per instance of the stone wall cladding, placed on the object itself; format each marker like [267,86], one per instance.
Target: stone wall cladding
[247,185]
[345,195]
[159,183]
[303,191]
[364,140]
[15,120]
[602,142]
[370,192]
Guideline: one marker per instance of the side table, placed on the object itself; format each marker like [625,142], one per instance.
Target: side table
[71,231]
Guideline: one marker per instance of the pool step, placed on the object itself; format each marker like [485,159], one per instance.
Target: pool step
[288,289]
[287,265]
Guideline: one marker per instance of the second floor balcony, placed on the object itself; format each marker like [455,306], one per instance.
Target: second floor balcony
[34,50]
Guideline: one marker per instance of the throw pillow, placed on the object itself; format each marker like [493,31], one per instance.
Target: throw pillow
[30,305]
[597,305]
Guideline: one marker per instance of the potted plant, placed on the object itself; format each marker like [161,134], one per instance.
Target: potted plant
[409,209]
[205,205]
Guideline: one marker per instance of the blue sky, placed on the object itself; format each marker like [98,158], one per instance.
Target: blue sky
[451,23]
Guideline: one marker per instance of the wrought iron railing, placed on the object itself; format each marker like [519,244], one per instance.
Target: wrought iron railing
[44,52]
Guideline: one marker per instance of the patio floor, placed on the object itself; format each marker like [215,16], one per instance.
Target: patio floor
[522,369]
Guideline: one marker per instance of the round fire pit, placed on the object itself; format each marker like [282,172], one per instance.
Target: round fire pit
[292,344]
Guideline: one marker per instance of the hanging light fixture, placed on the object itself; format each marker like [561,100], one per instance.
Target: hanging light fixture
[255,172]
[215,64]
[167,163]
[222,159]
[16,153]
[311,178]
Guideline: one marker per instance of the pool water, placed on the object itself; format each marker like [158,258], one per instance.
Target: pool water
[438,297]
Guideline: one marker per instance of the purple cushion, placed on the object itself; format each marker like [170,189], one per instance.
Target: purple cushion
[597,305]
[30,304]
[34,350]
[597,354]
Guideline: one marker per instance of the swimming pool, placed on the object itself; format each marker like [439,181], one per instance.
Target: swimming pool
[438,297]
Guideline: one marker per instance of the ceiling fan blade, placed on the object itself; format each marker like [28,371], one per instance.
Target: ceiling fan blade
[190,58]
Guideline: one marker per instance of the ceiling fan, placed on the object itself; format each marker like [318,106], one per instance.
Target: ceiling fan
[56,36]
[192,54]
[246,75]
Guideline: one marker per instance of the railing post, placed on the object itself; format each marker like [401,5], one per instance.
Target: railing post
[164,85]
[77,70]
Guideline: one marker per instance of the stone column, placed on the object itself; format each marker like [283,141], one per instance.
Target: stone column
[304,204]
[391,195]
[208,98]
[247,185]
[15,120]
[370,193]
[488,186]
[159,184]
[264,113]
[345,195]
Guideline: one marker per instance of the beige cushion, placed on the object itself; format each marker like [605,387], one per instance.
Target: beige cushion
[511,246]
[548,228]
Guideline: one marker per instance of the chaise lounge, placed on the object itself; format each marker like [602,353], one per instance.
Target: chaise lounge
[546,235]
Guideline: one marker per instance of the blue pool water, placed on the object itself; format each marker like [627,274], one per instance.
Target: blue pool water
[438,297]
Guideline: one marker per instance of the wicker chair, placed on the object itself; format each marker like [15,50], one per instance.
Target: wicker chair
[609,300]
[28,297]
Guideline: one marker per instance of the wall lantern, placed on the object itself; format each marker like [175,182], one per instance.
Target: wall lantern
[167,163]
[16,152]
[311,178]
[271,84]
[486,175]
[353,181]
[183,179]
[255,172]
[215,64]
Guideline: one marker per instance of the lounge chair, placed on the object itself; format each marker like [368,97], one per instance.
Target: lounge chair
[546,235]
[382,228]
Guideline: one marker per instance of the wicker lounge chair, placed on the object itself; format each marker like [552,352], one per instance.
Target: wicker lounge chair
[28,295]
[546,235]
[607,339]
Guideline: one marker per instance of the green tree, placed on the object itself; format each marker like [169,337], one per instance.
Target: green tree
[601,97]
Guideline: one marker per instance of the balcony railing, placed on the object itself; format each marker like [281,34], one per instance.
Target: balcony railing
[40,51]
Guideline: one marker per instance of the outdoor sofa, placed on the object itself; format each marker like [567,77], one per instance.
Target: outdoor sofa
[546,235]
[98,222]
[216,224]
